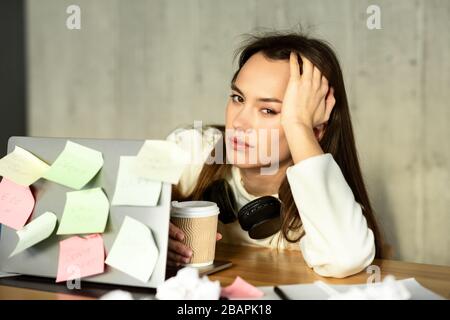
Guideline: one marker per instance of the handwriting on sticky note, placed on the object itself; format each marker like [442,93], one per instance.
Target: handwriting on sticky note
[134,251]
[80,257]
[75,166]
[85,211]
[35,231]
[132,190]
[16,204]
[241,289]
[161,160]
[22,167]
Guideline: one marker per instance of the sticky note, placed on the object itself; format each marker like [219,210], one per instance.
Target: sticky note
[34,232]
[85,211]
[16,204]
[80,257]
[161,160]
[22,167]
[241,289]
[75,166]
[134,250]
[132,190]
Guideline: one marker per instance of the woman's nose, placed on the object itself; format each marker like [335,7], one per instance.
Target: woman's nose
[242,120]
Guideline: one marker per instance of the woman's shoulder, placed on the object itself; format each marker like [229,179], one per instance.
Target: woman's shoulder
[198,142]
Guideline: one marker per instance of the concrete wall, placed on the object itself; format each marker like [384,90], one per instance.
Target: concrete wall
[137,69]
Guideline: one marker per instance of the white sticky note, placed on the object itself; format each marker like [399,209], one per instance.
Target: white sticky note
[34,232]
[132,190]
[161,160]
[134,251]
[22,167]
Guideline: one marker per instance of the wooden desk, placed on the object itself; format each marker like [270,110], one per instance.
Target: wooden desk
[261,266]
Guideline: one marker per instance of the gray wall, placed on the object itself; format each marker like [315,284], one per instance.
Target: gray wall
[137,69]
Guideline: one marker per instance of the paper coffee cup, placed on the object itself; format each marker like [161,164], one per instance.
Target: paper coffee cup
[198,221]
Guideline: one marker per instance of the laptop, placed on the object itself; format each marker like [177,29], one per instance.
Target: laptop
[42,259]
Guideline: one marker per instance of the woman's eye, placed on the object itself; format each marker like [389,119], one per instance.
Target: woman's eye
[236,98]
[268,111]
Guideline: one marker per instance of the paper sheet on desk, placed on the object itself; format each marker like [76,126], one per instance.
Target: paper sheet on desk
[75,166]
[313,292]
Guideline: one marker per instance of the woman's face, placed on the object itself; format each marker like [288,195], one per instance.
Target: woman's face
[254,134]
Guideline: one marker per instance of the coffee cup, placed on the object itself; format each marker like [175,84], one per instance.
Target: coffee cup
[198,220]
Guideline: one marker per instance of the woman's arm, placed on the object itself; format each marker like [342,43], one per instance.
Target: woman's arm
[337,240]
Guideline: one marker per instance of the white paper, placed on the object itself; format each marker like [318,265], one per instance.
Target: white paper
[133,190]
[34,232]
[134,251]
[313,292]
[161,160]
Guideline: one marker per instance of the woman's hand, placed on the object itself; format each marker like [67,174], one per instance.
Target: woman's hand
[307,105]
[178,253]
[308,100]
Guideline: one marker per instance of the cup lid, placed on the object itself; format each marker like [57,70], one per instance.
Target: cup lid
[188,209]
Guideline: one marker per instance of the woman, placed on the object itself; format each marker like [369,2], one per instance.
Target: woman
[293,85]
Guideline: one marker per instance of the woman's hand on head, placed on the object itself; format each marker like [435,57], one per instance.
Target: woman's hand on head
[178,253]
[308,99]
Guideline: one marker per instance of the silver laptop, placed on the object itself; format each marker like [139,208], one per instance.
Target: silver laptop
[42,259]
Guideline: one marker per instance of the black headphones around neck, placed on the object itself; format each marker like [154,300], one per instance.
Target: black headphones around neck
[260,217]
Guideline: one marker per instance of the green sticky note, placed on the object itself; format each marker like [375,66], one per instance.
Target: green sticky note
[86,211]
[75,166]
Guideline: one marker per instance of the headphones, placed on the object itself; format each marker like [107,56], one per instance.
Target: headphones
[260,217]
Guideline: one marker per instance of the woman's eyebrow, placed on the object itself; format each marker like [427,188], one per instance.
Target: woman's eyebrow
[235,88]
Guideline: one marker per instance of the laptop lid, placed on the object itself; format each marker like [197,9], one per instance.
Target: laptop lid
[42,258]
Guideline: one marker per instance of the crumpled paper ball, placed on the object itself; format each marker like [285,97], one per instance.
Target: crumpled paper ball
[117,295]
[187,285]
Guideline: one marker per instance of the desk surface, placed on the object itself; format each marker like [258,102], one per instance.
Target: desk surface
[262,266]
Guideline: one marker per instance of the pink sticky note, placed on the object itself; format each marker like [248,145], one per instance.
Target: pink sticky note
[241,289]
[80,257]
[16,204]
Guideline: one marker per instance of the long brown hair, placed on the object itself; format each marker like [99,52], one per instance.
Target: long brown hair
[338,137]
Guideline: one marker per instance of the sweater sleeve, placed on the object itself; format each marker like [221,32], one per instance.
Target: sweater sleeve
[198,144]
[337,241]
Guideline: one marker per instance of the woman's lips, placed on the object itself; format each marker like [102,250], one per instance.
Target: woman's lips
[238,144]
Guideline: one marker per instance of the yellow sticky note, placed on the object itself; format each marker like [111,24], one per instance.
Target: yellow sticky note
[75,166]
[22,167]
[34,232]
[85,211]
[132,190]
[161,160]
[134,251]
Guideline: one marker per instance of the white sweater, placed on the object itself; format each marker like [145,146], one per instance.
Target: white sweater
[337,241]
